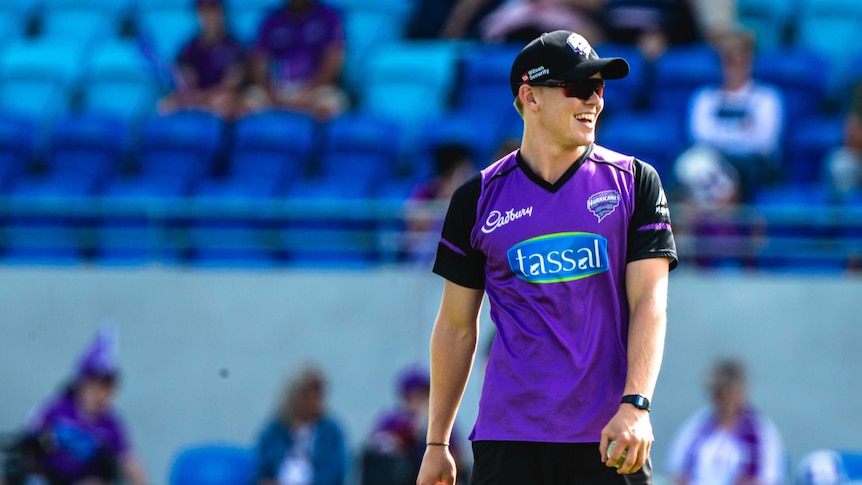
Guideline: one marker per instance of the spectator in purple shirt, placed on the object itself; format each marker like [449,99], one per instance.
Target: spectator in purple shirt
[210,67]
[77,437]
[298,60]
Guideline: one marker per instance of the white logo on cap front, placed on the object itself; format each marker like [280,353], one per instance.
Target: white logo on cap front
[579,45]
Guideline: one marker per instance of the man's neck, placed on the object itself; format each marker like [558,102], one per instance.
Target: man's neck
[546,159]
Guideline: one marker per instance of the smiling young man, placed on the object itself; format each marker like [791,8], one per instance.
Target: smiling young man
[572,244]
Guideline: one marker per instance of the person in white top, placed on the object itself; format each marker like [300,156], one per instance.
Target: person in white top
[742,119]
[728,443]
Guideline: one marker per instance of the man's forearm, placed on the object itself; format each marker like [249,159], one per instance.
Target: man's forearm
[647,327]
[452,353]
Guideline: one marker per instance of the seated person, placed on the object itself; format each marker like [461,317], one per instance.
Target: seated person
[302,445]
[77,438]
[742,119]
[650,25]
[298,60]
[210,67]
[843,165]
[394,450]
[524,20]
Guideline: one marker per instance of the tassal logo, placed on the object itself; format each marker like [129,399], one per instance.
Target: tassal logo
[559,257]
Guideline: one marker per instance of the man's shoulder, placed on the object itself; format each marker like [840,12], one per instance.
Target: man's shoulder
[500,167]
[612,158]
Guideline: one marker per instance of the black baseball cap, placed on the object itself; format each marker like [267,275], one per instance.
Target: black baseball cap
[562,56]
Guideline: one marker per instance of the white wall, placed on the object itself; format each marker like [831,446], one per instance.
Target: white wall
[181,329]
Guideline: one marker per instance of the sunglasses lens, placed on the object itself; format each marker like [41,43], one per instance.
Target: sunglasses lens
[584,89]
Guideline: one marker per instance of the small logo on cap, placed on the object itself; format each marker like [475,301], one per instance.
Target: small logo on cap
[537,72]
[579,45]
[525,77]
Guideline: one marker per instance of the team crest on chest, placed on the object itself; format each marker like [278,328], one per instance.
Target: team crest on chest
[603,203]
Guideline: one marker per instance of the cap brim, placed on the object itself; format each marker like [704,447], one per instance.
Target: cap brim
[609,67]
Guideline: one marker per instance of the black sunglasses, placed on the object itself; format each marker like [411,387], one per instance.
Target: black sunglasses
[581,89]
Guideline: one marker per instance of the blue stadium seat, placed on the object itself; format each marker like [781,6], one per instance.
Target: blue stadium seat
[830,28]
[240,5]
[270,151]
[483,78]
[85,151]
[10,25]
[111,7]
[476,130]
[360,147]
[166,28]
[656,138]
[799,74]
[176,152]
[681,71]
[344,241]
[120,81]
[245,23]
[33,238]
[220,239]
[17,144]
[368,26]
[625,94]
[409,81]
[36,77]
[76,23]
[768,19]
[808,142]
[213,464]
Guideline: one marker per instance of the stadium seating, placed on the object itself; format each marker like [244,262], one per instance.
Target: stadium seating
[483,77]
[213,464]
[360,148]
[800,75]
[808,142]
[76,23]
[681,71]
[768,19]
[830,27]
[175,152]
[37,76]
[84,152]
[409,81]
[656,138]
[166,27]
[479,131]
[120,81]
[17,145]
[622,95]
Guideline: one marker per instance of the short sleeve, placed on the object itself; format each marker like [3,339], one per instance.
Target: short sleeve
[650,234]
[457,260]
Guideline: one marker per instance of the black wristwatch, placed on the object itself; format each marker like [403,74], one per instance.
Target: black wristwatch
[637,400]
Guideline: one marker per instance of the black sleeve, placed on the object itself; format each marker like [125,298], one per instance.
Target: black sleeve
[650,234]
[457,261]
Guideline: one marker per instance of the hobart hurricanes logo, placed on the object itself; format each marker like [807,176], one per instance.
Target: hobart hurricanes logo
[563,256]
[603,203]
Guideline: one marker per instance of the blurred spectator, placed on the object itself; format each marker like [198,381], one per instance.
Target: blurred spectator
[210,67]
[524,20]
[728,442]
[715,17]
[453,165]
[77,437]
[396,445]
[298,60]
[708,188]
[448,19]
[843,166]
[651,25]
[742,118]
[302,445]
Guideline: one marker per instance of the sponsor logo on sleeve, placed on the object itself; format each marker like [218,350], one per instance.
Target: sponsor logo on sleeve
[661,204]
[559,257]
[603,203]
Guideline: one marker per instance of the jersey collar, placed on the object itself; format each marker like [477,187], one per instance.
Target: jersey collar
[553,187]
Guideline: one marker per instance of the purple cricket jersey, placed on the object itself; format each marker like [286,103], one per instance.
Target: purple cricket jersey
[211,62]
[296,42]
[552,260]
[76,438]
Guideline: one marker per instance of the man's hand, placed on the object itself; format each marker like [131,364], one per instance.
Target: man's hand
[631,429]
[438,466]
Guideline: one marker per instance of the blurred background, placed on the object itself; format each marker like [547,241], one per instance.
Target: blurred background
[246,186]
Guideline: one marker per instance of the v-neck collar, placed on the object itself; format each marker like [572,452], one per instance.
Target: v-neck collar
[553,187]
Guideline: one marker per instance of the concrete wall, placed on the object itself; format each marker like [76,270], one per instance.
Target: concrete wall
[205,353]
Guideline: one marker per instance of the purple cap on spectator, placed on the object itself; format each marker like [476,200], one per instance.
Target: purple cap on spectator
[414,378]
[101,357]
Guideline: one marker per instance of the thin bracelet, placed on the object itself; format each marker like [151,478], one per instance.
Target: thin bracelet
[437,444]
